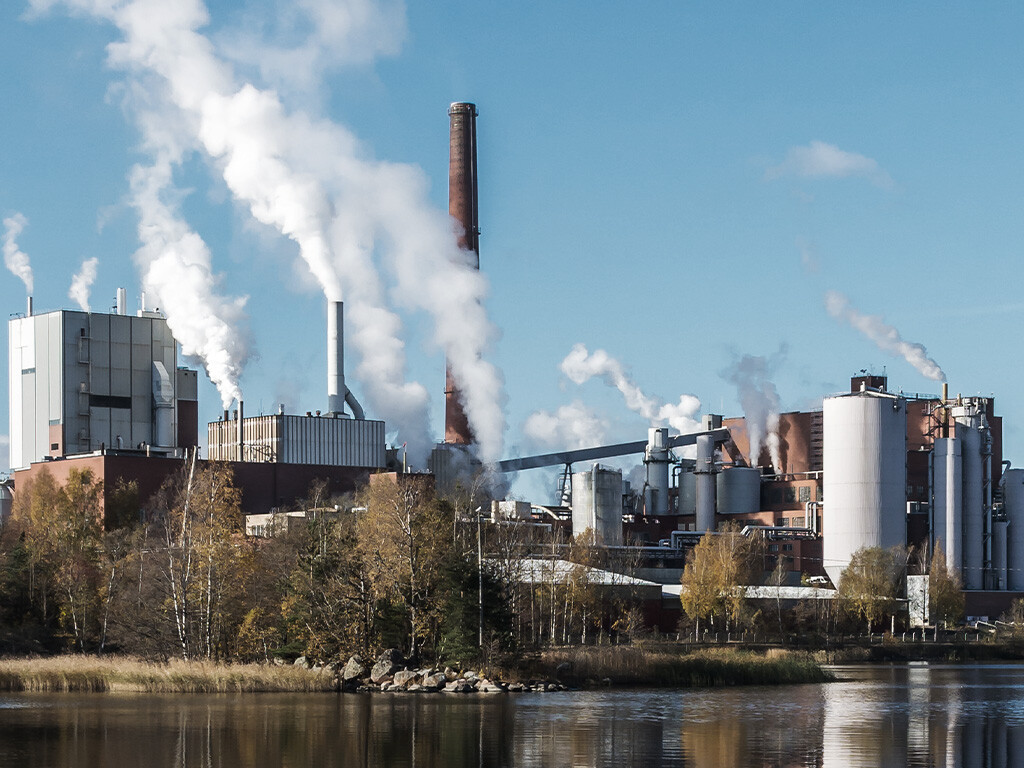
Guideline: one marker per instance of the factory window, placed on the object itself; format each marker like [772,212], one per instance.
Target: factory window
[782,522]
[798,522]
[820,495]
[773,547]
[805,493]
[787,547]
[790,495]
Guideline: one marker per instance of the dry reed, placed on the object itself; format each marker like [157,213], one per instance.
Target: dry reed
[118,673]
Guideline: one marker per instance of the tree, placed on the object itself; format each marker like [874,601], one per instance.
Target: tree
[945,590]
[871,584]
[716,570]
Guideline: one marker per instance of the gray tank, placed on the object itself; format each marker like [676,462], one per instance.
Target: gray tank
[739,491]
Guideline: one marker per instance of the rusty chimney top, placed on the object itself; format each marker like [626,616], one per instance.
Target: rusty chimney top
[462,206]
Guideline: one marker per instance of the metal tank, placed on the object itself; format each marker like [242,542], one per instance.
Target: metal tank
[997,576]
[968,428]
[687,493]
[947,500]
[705,474]
[597,504]
[739,491]
[864,458]
[1013,504]
[656,458]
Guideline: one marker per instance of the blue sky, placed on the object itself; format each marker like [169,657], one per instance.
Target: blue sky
[679,187]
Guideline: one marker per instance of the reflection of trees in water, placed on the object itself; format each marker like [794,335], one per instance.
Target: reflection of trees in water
[957,717]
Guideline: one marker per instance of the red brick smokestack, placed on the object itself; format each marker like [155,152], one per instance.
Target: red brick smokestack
[462,205]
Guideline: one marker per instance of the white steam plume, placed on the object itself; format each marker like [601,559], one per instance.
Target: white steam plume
[82,282]
[571,427]
[760,402]
[14,258]
[885,336]
[580,365]
[175,266]
[309,180]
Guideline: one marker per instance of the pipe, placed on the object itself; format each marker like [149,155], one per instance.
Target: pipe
[29,307]
[705,478]
[463,207]
[122,301]
[241,434]
[335,359]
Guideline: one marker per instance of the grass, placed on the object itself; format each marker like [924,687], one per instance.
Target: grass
[627,665]
[121,674]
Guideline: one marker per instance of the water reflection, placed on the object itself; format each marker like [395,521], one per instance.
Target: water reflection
[907,715]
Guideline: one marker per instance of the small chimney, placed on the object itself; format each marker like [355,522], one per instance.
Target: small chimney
[241,434]
[335,358]
[29,309]
[122,301]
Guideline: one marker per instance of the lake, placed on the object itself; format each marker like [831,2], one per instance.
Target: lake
[900,715]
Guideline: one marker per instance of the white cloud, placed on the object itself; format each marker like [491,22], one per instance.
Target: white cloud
[571,427]
[819,160]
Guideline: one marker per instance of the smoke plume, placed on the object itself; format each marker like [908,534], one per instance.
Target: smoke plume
[82,282]
[14,258]
[760,402]
[885,336]
[580,365]
[571,427]
[174,263]
[311,180]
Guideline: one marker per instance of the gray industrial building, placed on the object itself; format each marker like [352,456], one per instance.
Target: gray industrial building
[82,381]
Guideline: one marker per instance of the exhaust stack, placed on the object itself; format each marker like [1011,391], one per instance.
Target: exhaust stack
[462,206]
[337,392]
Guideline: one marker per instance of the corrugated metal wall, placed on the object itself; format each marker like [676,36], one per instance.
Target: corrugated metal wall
[300,440]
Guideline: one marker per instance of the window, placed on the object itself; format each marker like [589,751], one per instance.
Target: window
[790,495]
[782,521]
[787,547]
[805,493]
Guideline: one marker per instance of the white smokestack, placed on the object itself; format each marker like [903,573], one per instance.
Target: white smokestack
[14,258]
[121,303]
[82,282]
[885,336]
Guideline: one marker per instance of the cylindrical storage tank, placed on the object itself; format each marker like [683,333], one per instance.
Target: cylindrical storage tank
[656,459]
[998,576]
[705,474]
[1013,504]
[864,462]
[968,429]
[687,493]
[947,500]
[6,502]
[739,491]
[597,504]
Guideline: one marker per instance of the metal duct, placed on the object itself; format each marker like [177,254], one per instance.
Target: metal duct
[163,406]
[462,206]
[705,475]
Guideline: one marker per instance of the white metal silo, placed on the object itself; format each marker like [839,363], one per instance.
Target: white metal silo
[739,491]
[968,428]
[704,472]
[1013,504]
[656,458]
[947,500]
[864,457]
[597,504]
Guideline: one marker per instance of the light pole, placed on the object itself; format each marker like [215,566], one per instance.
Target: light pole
[480,575]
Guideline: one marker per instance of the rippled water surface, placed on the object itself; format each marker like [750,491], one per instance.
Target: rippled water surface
[903,715]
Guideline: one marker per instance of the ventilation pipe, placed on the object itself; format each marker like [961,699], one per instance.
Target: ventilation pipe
[338,394]
[28,311]
[121,303]
[241,434]
[704,473]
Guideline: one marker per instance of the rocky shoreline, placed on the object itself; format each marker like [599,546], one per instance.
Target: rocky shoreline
[392,673]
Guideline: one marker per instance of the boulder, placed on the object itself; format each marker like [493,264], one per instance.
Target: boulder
[403,679]
[434,682]
[415,688]
[517,688]
[354,669]
[301,662]
[460,686]
[487,686]
[388,663]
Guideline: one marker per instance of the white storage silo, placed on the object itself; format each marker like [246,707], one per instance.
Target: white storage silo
[864,462]
[968,429]
[597,504]
[739,491]
[1013,504]
[947,500]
